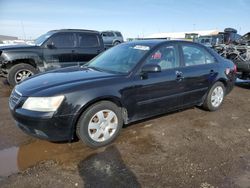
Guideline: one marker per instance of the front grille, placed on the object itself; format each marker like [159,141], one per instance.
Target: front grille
[14,98]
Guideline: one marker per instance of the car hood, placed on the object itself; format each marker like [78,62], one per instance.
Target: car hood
[60,80]
[16,46]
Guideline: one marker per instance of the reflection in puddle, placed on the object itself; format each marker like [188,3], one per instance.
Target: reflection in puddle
[17,159]
[106,169]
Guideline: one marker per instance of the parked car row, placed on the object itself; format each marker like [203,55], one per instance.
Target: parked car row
[129,82]
[55,49]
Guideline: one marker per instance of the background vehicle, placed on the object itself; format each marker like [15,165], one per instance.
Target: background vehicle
[237,49]
[211,40]
[55,49]
[111,38]
[127,83]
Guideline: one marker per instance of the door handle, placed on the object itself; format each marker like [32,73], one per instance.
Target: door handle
[179,75]
[212,72]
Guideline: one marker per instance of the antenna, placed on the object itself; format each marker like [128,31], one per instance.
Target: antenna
[23,30]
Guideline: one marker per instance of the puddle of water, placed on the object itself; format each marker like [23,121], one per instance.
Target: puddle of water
[15,159]
[8,161]
[243,181]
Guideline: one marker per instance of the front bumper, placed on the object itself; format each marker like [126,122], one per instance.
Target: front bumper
[45,125]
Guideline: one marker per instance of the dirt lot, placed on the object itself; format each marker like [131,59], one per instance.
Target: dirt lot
[191,148]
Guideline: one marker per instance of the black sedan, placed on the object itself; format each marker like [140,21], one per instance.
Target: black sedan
[126,83]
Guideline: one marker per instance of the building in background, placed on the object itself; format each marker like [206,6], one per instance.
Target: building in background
[192,35]
[10,40]
[6,38]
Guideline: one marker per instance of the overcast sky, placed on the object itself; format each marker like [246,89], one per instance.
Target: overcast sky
[31,18]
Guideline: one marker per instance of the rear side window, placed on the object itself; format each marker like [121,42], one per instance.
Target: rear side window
[195,55]
[88,40]
[63,40]
[118,34]
[108,34]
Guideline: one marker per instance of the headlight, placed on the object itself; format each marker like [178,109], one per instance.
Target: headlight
[43,104]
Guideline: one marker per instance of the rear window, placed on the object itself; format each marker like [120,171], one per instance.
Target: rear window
[88,40]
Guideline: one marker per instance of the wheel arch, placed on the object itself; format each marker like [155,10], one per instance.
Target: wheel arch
[29,61]
[116,41]
[113,99]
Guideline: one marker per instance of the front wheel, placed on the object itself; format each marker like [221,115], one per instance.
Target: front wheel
[100,124]
[215,97]
[20,72]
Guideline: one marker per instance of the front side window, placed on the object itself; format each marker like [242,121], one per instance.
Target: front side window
[63,40]
[104,34]
[166,57]
[87,40]
[194,55]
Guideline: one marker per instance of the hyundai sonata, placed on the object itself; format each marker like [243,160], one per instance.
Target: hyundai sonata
[129,82]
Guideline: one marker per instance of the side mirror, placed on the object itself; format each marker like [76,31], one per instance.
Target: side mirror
[151,68]
[50,46]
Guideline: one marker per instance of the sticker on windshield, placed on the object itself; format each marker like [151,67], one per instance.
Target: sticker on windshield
[140,47]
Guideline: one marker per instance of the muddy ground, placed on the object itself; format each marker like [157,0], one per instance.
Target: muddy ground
[191,148]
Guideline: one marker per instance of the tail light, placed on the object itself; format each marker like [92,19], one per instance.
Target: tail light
[228,70]
[235,68]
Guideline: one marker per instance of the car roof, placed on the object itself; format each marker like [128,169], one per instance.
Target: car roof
[156,42]
[74,30]
[111,31]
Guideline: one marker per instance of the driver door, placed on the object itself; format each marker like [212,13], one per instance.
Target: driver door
[159,92]
[59,51]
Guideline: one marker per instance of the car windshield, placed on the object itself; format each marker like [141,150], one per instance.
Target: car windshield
[120,59]
[40,40]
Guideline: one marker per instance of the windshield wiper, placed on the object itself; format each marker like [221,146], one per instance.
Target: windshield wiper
[95,68]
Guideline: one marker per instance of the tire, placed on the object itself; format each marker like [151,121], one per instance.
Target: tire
[13,78]
[210,103]
[92,131]
[116,43]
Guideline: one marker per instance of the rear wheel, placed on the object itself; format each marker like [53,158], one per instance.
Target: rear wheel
[20,72]
[116,43]
[215,97]
[100,124]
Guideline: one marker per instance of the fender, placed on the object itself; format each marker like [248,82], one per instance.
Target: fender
[15,56]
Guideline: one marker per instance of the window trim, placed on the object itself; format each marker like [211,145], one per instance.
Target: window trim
[157,48]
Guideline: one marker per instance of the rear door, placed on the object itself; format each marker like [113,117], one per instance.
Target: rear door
[200,69]
[88,46]
[58,50]
[108,38]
